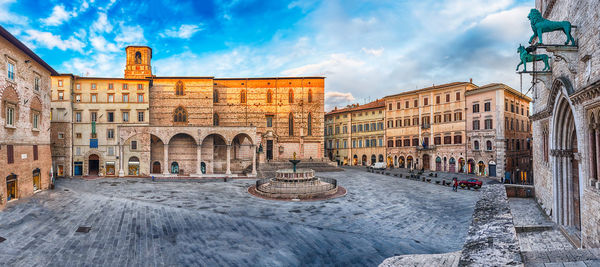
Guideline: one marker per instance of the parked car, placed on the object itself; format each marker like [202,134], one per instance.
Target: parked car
[377,166]
[470,183]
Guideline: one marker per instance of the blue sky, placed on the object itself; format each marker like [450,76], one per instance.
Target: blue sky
[366,49]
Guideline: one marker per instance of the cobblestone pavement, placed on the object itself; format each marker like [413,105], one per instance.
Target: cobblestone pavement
[542,243]
[143,223]
[447,259]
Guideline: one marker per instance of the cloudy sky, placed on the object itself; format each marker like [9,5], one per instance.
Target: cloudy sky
[366,49]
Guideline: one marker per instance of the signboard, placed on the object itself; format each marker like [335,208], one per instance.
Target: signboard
[93,143]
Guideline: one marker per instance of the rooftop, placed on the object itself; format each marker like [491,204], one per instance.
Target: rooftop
[13,40]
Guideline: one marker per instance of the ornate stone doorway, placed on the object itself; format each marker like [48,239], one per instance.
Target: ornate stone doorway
[156,167]
[93,165]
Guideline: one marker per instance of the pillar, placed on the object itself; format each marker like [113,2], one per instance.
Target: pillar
[166,160]
[593,154]
[597,148]
[199,163]
[121,171]
[228,159]
[254,160]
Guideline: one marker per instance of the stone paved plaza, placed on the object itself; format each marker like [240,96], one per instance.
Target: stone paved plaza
[143,223]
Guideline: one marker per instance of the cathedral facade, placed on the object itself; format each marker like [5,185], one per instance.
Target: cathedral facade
[143,124]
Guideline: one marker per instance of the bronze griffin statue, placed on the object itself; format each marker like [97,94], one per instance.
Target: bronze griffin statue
[525,57]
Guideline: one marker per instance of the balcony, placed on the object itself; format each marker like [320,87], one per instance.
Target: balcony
[425,148]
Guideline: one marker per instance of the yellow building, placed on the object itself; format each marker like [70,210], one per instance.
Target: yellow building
[355,135]
[426,128]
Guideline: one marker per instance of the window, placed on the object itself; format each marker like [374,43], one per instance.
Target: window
[437,99]
[78,151]
[291,96]
[415,142]
[488,145]
[416,103]
[512,107]
[10,154]
[93,116]
[140,98]
[447,98]
[124,86]
[475,124]
[406,142]
[140,116]
[309,126]
[398,142]
[36,84]
[437,140]
[243,96]
[425,101]
[269,120]
[345,129]
[457,96]
[390,106]
[215,119]
[36,120]
[110,86]
[406,104]
[140,86]
[437,118]
[179,88]
[390,143]
[61,135]
[476,145]
[110,133]
[133,145]
[94,97]
[180,115]
[93,86]
[215,96]
[309,95]
[11,72]
[415,121]
[125,98]
[398,123]
[269,96]
[291,124]
[488,124]
[458,139]
[111,151]
[111,98]
[35,152]
[77,116]
[61,95]
[78,98]
[398,105]
[10,115]
[505,105]
[475,108]
[448,117]
[487,106]
[78,86]
[458,116]
[125,116]
[447,140]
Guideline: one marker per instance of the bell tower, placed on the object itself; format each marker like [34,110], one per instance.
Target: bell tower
[138,62]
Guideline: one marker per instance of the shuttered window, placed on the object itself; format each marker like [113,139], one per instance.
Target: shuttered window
[10,154]
[35,152]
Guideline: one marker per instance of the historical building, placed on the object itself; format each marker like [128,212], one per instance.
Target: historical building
[426,127]
[355,135]
[25,159]
[565,117]
[498,132]
[144,125]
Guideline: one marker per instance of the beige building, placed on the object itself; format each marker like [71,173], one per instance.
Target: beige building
[25,159]
[498,132]
[194,126]
[355,135]
[426,128]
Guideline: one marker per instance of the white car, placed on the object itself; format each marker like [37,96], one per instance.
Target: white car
[378,166]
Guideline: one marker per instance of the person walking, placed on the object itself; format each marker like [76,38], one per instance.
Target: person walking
[454,184]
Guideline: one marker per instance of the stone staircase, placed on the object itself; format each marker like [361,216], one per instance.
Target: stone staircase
[266,170]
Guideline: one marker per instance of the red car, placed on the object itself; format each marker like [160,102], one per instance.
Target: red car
[470,183]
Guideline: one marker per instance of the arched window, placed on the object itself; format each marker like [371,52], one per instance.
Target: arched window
[269,96]
[291,124]
[180,115]
[291,96]
[215,96]
[309,126]
[138,57]
[215,119]
[309,95]
[243,96]
[476,145]
[488,145]
[179,88]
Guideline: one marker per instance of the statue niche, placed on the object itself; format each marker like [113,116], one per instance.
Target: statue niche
[138,57]
[540,25]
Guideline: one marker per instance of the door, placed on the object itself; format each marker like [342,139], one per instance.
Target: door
[492,170]
[426,162]
[78,168]
[156,167]
[61,170]
[11,187]
[37,183]
[269,149]
[93,165]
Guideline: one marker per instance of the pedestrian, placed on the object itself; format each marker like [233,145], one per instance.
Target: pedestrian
[454,184]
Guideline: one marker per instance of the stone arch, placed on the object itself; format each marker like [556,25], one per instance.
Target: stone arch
[93,154]
[560,84]
[214,153]
[183,150]
[242,149]
[10,98]
[157,152]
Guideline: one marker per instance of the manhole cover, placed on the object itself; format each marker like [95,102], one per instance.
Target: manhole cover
[2,239]
[83,229]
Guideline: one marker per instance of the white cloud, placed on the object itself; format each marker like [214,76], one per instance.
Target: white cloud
[185,31]
[337,99]
[374,52]
[100,44]
[8,17]
[52,41]
[130,35]
[59,16]
[102,25]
